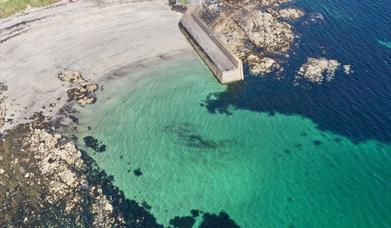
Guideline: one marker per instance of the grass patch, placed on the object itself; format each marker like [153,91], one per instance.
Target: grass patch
[9,7]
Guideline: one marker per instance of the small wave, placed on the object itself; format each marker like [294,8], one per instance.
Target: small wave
[385,43]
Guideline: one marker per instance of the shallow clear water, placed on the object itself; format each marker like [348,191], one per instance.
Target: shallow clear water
[263,170]
[266,151]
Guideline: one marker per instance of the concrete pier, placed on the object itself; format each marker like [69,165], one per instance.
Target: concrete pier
[222,62]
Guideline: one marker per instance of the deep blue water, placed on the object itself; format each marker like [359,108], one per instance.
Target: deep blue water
[358,105]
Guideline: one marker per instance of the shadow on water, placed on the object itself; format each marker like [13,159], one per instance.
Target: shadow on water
[360,116]
[188,135]
[357,106]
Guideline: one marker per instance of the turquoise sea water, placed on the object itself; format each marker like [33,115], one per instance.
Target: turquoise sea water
[266,151]
[263,170]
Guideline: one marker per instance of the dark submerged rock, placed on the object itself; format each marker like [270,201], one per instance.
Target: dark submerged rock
[195,213]
[317,142]
[94,144]
[222,220]
[182,222]
[137,172]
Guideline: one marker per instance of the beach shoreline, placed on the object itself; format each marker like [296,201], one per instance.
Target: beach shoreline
[98,40]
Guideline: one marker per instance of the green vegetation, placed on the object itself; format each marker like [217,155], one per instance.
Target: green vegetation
[9,7]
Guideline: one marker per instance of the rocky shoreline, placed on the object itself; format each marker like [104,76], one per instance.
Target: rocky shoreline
[46,179]
[259,32]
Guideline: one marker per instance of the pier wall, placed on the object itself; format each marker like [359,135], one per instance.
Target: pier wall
[225,65]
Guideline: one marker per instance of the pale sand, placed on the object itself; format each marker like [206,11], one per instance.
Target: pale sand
[94,37]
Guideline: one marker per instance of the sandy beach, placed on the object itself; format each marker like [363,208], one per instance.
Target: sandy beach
[100,39]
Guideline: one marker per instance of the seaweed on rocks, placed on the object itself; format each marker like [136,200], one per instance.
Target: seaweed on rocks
[209,220]
[48,182]
[94,144]
[221,220]
[195,213]
[182,222]
[133,214]
[137,172]
[317,142]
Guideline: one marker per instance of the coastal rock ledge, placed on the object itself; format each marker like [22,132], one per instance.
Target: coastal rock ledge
[45,180]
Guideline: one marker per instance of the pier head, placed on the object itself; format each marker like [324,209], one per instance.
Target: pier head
[225,65]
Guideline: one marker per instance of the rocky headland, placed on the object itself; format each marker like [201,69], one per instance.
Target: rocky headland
[259,32]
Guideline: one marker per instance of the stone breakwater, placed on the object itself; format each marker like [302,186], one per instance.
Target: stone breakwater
[221,61]
[259,32]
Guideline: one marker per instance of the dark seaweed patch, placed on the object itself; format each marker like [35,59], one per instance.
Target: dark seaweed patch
[187,133]
[195,213]
[199,142]
[137,172]
[222,220]
[317,142]
[182,222]
[94,144]
[146,205]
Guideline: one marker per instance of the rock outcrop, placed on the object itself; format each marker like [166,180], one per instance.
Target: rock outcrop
[260,66]
[318,70]
[254,28]
[45,181]
[290,14]
[347,69]
[82,91]
[84,94]
[73,77]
